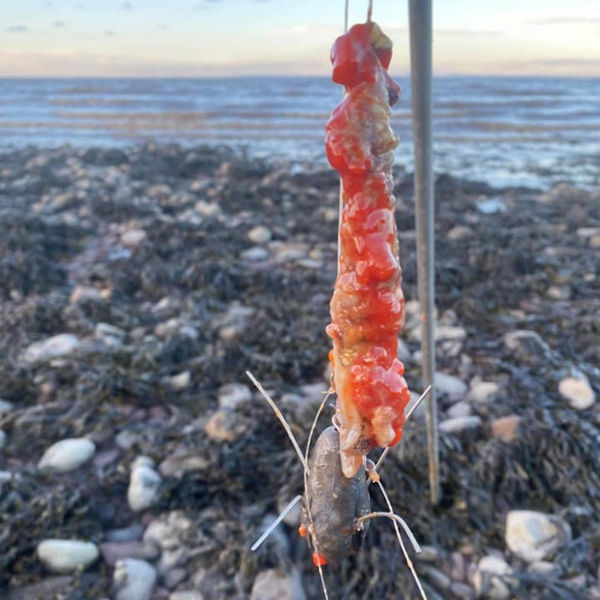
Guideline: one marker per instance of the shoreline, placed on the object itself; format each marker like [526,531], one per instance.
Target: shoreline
[174,270]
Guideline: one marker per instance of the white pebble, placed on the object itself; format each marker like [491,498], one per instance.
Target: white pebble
[482,391]
[535,536]
[460,425]
[65,556]
[274,585]
[144,484]
[68,454]
[181,380]
[133,237]
[231,395]
[578,391]
[134,579]
[455,388]
[5,406]
[58,346]
[488,577]
[259,235]
[460,409]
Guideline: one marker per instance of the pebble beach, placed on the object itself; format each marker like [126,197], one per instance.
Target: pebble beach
[138,284]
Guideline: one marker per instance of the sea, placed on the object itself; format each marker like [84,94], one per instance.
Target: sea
[522,131]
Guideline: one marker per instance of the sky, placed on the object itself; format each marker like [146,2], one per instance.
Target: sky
[190,38]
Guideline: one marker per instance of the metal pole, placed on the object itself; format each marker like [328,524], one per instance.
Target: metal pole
[420,21]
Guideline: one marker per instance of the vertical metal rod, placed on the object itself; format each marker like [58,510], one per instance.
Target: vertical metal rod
[420,21]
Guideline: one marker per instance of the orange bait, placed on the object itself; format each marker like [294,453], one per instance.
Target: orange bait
[367,307]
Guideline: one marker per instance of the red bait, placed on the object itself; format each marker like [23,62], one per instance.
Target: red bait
[367,307]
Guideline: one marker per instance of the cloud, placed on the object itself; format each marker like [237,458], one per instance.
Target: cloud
[566,62]
[163,26]
[451,32]
[564,21]
[557,66]
[126,5]
[58,24]
[17,28]
[109,33]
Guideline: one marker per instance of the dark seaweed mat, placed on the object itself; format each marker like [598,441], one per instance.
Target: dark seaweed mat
[552,467]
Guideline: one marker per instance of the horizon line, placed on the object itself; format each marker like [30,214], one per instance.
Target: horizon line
[292,76]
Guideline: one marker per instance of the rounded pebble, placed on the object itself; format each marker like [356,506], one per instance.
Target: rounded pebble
[144,484]
[65,556]
[259,235]
[134,579]
[67,455]
[578,392]
[535,536]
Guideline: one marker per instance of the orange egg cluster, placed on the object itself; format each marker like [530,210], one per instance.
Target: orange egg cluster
[367,307]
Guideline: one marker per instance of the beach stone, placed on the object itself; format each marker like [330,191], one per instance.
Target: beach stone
[428,554]
[452,386]
[505,428]
[461,409]
[174,577]
[488,578]
[87,294]
[170,531]
[2,439]
[449,332]
[144,484]
[5,406]
[482,391]
[274,585]
[127,438]
[439,580]
[115,551]
[133,237]
[67,454]
[232,395]
[289,252]
[545,568]
[559,292]
[462,591]
[578,392]
[461,425]
[183,461]
[527,345]
[535,536]
[66,556]
[134,579]
[180,381]
[207,209]
[457,567]
[62,345]
[255,254]
[109,335]
[49,587]
[187,595]
[459,233]
[225,426]
[260,235]
[234,321]
[125,534]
